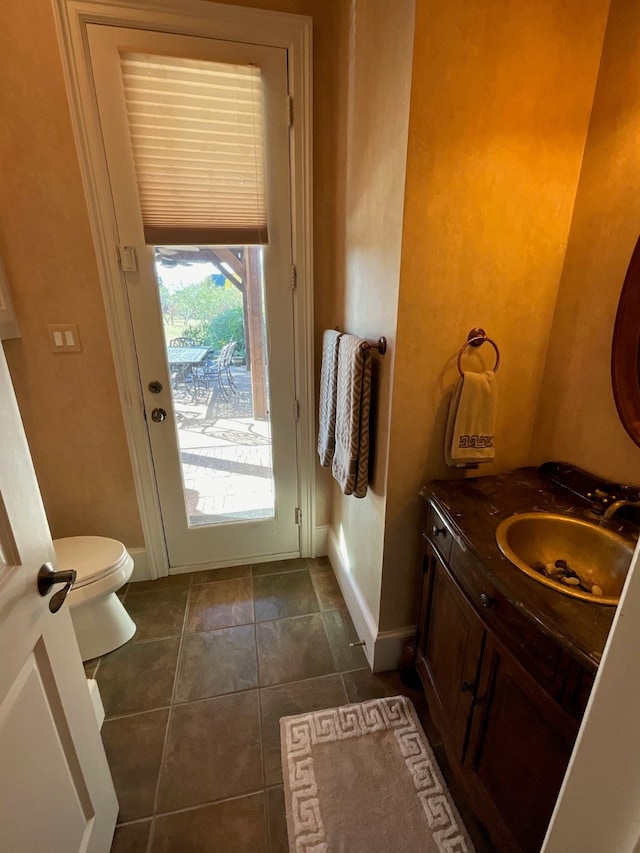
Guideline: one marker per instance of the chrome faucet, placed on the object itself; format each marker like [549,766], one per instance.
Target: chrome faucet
[615,506]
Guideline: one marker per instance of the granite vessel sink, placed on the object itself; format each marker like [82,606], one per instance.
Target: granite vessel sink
[572,556]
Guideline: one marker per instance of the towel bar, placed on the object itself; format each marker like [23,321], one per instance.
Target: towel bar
[476,338]
[381,344]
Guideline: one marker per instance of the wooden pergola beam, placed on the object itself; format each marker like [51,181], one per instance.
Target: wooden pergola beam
[226,256]
[218,255]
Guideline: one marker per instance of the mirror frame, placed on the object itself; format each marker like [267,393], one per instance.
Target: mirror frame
[625,350]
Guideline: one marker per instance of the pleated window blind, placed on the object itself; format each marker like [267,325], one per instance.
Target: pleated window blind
[197,134]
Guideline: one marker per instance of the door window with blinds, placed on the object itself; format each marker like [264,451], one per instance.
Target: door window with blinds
[196,140]
[198,146]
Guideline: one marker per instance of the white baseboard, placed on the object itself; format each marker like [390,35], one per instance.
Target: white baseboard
[382,648]
[322,540]
[361,616]
[141,567]
[388,648]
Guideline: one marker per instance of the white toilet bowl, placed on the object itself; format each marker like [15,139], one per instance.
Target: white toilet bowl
[103,566]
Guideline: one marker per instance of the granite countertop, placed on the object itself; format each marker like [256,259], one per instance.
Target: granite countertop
[475,507]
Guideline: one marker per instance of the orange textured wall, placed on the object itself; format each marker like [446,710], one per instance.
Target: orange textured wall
[500,106]
[373,109]
[69,403]
[577,419]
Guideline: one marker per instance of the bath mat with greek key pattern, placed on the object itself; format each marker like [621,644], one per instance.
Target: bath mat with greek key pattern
[362,779]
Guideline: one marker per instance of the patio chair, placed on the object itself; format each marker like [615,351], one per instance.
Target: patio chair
[182,342]
[219,369]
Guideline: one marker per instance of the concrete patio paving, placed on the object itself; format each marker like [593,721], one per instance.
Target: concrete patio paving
[225,454]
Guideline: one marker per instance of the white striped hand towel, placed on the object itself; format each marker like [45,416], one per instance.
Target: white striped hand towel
[328,389]
[471,421]
[350,465]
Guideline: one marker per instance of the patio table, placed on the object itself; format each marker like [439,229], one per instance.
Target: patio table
[184,363]
[182,356]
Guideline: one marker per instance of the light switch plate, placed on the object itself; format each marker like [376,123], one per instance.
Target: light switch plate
[64,337]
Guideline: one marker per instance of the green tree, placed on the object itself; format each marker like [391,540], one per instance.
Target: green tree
[226,326]
[204,300]
[167,302]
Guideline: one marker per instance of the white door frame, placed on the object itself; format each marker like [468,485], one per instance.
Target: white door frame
[201,18]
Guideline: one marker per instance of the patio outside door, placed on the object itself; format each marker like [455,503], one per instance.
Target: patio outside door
[213,322]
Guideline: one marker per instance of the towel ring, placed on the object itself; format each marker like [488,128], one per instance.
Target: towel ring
[476,338]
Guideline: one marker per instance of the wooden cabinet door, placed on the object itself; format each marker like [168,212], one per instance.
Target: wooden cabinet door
[449,652]
[519,748]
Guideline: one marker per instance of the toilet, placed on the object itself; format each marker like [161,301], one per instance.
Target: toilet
[103,566]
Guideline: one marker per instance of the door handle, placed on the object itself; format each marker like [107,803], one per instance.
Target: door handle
[48,577]
[158,415]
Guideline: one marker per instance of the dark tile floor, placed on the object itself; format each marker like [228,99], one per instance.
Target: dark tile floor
[193,702]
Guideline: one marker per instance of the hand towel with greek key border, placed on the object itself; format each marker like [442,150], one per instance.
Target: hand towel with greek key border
[471,421]
[328,391]
[350,466]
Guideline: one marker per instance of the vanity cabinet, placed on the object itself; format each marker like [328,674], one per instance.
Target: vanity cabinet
[520,745]
[506,697]
[450,650]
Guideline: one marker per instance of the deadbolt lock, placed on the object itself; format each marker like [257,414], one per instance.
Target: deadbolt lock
[158,415]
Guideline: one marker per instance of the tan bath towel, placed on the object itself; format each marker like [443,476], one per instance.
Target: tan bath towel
[328,391]
[350,465]
[471,421]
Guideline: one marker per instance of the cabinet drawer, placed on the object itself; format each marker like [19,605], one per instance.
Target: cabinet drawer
[470,574]
[539,654]
[438,533]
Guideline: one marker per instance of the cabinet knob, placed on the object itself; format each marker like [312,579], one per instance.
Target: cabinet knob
[485,600]
[438,531]
[467,686]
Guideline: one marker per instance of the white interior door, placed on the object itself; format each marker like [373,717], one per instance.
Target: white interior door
[56,793]
[226,477]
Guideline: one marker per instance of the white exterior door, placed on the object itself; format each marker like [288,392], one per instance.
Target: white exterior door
[204,442]
[56,793]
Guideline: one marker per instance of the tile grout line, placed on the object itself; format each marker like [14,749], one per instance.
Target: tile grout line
[239,625]
[330,644]
[126,716]
[260,687]
[204,804]
[265,807]
[344,687]
[173,703]
[152,828]
[192,581]
[290,572]
[236,692]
